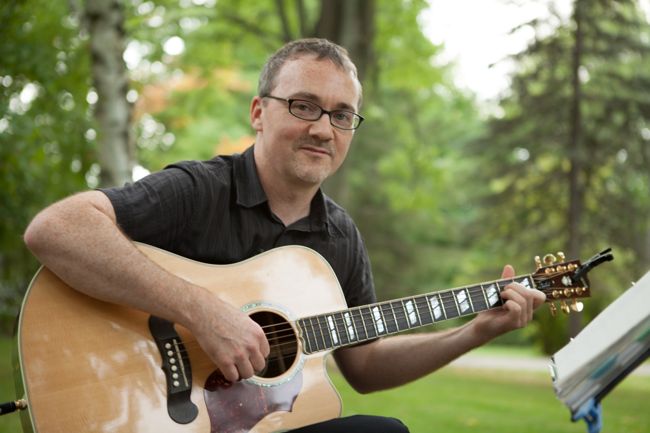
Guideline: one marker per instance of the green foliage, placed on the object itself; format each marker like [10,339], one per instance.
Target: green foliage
[416,121]
[43,122]
[527,157]
[401,170]
[435,211]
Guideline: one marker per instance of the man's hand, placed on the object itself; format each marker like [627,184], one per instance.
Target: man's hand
[234,342]
[516,312]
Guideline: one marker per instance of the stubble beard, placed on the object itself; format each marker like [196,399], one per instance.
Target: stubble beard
[312,169]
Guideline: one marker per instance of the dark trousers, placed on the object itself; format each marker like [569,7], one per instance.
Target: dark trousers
[356,424]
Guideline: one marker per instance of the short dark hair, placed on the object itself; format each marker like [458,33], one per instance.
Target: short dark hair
[321,48]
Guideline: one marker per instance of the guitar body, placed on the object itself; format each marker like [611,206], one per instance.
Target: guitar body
[90,366]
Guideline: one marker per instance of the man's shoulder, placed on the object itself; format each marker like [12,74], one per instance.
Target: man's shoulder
[219,167]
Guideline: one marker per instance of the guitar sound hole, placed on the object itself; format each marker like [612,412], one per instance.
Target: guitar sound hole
[282,341]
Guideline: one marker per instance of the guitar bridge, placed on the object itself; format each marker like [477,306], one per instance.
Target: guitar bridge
[177,369]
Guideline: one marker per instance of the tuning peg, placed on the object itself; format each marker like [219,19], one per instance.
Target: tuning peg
[553,309]
[565,308]
[577,306]
[549,259]
[561,256]
[538,262]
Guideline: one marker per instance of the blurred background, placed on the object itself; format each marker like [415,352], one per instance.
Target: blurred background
[495,130]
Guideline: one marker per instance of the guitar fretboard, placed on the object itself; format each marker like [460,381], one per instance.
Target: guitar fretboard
[368,322]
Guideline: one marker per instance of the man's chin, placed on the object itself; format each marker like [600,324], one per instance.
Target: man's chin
[313,177]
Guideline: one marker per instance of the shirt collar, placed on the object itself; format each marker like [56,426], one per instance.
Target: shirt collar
[247,183]
[250,194]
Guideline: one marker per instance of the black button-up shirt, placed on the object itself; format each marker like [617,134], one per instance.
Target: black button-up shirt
[217,212]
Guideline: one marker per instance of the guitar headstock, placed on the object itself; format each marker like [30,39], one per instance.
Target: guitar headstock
[564,281]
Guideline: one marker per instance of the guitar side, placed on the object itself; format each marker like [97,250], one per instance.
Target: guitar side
[87,365]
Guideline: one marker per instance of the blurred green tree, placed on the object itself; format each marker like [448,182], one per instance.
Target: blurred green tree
[565,161]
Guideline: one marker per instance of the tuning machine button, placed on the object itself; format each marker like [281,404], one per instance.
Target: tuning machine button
[565,308]
[549,259]
[577,306]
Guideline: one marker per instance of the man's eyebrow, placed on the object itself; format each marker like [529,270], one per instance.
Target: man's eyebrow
[314,98]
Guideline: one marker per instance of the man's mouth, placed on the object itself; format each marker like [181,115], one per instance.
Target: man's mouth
[317,150]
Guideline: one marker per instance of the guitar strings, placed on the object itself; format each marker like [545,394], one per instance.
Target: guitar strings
[400,315]
[285,336]
[287,333]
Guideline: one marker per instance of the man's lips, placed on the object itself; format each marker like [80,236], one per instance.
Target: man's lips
[319,150]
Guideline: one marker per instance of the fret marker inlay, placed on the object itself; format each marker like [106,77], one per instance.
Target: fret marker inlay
[333,333]
[463,303]
[411,312]
[379,322]
[492,294]
[348,323]
[435,306]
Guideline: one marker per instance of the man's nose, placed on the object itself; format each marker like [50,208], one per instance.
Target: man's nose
[322,128]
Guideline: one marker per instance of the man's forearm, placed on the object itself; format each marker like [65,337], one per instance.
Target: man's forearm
[400,359]
[79,241]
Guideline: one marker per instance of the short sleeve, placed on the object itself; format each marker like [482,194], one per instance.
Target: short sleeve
[155,209]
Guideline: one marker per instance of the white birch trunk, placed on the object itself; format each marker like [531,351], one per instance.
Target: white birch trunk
[105,24]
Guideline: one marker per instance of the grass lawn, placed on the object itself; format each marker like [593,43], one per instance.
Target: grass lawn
[458,400]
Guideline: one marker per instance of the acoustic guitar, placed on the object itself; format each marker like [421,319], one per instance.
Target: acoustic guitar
[84,365]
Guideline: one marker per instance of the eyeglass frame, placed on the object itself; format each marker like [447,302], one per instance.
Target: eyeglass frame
[322,111]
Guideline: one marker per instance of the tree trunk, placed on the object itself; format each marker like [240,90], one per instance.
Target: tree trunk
[105,24]
[576,156]
[351,24]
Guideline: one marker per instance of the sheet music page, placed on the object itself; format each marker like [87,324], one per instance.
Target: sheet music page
[609,342]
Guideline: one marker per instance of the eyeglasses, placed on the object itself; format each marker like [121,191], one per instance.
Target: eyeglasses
[306,110]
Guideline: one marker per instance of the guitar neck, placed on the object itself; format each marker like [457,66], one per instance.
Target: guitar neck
[368,322]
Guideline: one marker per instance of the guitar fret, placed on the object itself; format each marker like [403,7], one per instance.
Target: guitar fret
[487,304]
[477,298]
[406,315]
[449,313]
[421,305]
[349,327]
[462,301]
[378,320]
[453,295]
[331,327]
[492,295]
[389,318]
[392,310]
[320,332]
[469,297]
[437,311]
[340,328]
[366,316]
[322,322]
[357,318]
[309,336]
[412,315]
[400,315]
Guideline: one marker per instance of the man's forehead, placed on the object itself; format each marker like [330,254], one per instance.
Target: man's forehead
[308,77]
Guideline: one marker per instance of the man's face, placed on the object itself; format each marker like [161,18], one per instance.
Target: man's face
[301,151]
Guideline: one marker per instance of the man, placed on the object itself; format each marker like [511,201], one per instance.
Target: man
[230,208]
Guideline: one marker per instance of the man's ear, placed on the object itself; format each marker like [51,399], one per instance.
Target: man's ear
[256,113]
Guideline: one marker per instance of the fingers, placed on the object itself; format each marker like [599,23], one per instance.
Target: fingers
[508,272]
[517,307]
[251,355]
[233,341]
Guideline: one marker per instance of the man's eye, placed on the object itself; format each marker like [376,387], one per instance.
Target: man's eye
[343,116]
[302,106]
